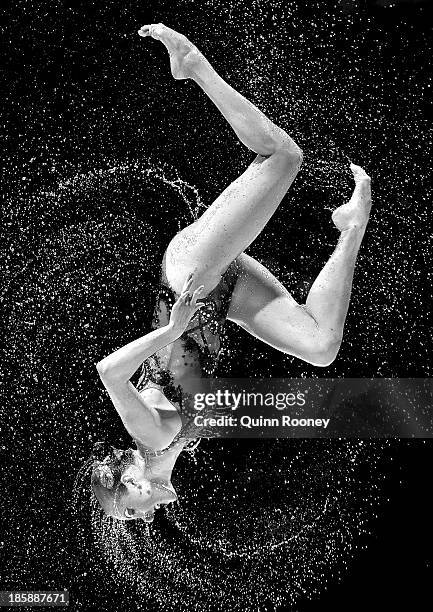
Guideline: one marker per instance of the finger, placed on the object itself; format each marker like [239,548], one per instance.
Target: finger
[196,294]
[197,291]
[185,298]
[187,283]
[199,306]
[184,293]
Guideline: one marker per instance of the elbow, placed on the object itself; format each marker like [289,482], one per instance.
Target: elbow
[106,371]
[296,156]
[101,367]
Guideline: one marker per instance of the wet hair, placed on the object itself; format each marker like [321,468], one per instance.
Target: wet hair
[106,476]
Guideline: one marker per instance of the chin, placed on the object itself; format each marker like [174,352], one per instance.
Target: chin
[163,494]
[163,500]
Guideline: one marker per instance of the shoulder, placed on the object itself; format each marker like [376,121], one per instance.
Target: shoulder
[141,416]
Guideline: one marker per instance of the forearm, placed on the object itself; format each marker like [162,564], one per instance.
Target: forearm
[122,364]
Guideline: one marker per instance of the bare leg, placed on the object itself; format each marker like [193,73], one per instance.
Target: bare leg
[235,219]
[251,126]
[328,299]
[261,305]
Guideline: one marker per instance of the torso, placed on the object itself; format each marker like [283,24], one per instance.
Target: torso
[171,374]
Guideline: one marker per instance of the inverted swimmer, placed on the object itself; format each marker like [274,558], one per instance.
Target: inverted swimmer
[207,278]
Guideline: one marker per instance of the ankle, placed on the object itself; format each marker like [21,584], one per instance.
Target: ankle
[200,69]
[354,232]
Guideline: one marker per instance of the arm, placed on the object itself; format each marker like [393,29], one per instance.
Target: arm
[141,420]
[121,365]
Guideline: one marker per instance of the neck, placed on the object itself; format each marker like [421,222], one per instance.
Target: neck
[161,466]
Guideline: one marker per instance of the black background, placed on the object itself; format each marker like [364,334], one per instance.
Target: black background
[83,91]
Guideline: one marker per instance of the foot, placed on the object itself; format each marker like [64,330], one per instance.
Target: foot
[356,212]
[183,54]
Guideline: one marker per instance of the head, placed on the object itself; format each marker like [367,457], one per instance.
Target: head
[129,487]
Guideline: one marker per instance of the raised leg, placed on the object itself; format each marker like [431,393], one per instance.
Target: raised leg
[251,126]
[313,332]
[329,296]
[239,214]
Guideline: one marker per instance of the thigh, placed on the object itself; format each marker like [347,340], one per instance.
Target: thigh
[231,223]
[182,258]
[262,306]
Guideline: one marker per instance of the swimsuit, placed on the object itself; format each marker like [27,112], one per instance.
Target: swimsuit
[200,344]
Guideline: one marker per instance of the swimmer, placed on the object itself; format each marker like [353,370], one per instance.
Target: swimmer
[206,278]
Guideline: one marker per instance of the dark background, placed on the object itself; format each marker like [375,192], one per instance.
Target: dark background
[84,93]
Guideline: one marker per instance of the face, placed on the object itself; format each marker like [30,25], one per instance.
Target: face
[141,492]
[142,498]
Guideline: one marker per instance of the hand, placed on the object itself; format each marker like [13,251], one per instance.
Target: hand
[186,306]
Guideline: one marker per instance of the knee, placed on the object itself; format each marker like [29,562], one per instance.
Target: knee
[290,156]
[325,350]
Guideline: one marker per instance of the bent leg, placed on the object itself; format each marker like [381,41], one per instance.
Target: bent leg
[262,306]
[251,126]
[256,131]
[329,297]
[240,213]
[231,223]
